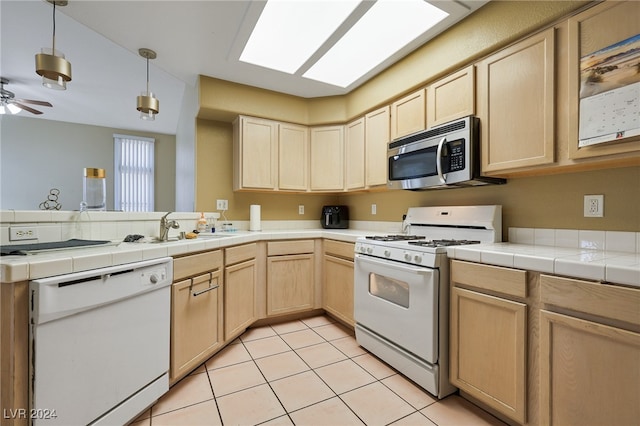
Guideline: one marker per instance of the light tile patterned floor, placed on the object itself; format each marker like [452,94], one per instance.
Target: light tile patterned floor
[303,372]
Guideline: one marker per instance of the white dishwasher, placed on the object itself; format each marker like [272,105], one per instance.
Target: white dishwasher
[99,343]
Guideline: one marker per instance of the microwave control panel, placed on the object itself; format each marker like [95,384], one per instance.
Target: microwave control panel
[456,155]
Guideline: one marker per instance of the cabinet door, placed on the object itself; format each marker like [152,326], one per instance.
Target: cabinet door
[256,150]
[516,105]
[290,283]
[596,28]
[293,157]
[452,97]
[354,154]
[196,321]
[488,346]
[338,288]
[408,114]
[239,298]
[590,373]
[327,153]
[376,144]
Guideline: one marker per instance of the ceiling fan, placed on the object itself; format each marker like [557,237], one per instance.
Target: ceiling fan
[12,105]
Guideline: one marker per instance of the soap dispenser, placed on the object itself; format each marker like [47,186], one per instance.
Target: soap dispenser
[202,223]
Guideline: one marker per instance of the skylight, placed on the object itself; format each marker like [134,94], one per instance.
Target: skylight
[289,33]
[386,28]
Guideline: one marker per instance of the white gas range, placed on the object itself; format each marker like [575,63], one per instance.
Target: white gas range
[401,295]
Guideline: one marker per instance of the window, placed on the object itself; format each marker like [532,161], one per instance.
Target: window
[134,173]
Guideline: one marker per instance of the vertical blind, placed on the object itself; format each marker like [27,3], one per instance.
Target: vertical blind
[134,173]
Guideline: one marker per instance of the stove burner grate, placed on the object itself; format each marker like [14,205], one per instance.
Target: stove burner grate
[443,243]
[395,237]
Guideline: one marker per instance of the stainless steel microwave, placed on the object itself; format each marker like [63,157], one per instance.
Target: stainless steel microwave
[445,156]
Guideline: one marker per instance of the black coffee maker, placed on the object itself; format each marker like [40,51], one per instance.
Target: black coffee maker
[335,217]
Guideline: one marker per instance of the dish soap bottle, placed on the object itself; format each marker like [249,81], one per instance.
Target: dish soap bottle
[202,223]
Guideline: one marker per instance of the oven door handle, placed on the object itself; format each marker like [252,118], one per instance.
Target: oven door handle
[422,270]
[441,176]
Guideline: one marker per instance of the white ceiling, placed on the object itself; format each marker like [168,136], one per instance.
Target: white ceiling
[101,40]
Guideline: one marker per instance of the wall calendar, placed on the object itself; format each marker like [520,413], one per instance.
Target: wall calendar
[610,93]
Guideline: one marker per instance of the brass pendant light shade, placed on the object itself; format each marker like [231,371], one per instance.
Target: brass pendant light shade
[147,103]
[51,63]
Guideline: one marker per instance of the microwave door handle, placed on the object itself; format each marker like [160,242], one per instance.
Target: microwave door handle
[326,219]
[441,176]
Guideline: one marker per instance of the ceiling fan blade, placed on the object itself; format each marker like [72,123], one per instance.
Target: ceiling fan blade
[26,108]
[31,101]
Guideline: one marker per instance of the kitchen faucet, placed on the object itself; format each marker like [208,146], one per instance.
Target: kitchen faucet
[165,225]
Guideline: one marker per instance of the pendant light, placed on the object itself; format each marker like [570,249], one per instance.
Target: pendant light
[148,104]
[51,64]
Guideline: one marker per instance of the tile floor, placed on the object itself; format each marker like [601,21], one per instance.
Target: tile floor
[303,372]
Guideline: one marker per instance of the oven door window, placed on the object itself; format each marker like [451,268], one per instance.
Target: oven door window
[394,291]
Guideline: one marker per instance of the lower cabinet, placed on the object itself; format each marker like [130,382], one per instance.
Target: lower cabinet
[290,276]
[240,278]
[196,311]
[488,336]
[589,365]
[337,286]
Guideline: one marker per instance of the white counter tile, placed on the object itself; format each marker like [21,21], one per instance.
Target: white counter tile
[592,239]
[620,241]
[48,266]
[533,263]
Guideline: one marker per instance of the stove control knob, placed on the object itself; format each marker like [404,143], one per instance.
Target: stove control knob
[417,258]
[154,279]
[407,257]
[387,253]
[369,250]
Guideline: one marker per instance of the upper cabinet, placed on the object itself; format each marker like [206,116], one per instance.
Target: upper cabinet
[590,31]
[451,97]
[327,154]
[376,143]
[515,104]
[255,153]
[408,114]
[354,154]
[293,156]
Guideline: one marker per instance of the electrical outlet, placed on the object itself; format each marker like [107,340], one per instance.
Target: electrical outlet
[374,209]
[301,209]
[19,233]
[593,205]
[222,204]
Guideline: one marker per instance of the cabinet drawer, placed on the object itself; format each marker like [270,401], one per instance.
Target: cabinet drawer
[279,248]
[339,249]
[196,264]
[608,301]
[239,254]
[508,281]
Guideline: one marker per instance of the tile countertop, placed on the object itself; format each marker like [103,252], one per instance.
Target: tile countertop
[616,267]
[51,263]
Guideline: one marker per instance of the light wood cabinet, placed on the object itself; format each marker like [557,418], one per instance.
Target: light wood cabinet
[337,286]
[327,154]
[516,105]
[488,336]
[451,97]
[589,353]
[255,154]
[240,278]
[290,276]
[196,311]
[354,154]
[408,114]
[376,143]
[293,157]
[598,27]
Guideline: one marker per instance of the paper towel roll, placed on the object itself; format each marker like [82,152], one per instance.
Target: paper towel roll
[254,218]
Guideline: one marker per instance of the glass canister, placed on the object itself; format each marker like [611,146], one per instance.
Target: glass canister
[94,189]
